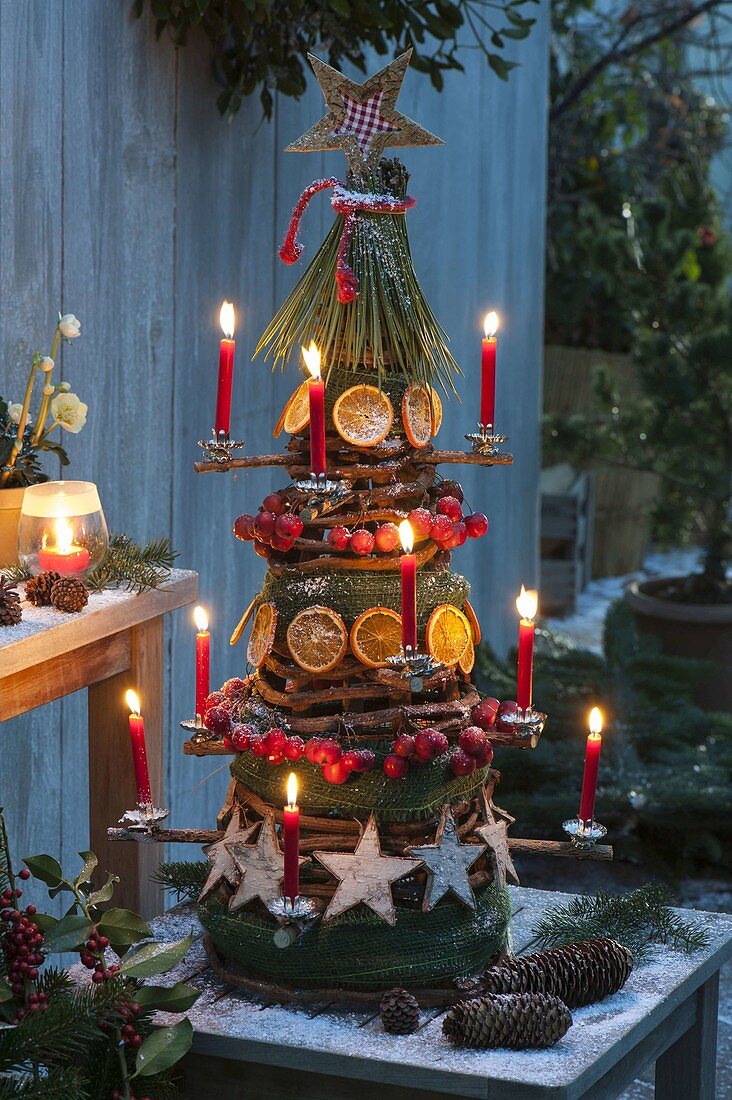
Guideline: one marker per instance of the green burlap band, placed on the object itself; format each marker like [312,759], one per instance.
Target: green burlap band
[359,951]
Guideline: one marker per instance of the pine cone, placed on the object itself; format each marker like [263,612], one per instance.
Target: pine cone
[518,1021]
[69,594]
[10,609]
[399,1012]
[579,973]
[38,589]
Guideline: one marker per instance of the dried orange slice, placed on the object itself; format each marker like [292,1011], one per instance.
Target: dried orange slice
[473,620]
[261,638]
[376,635]
[296,414]
[317,639]
[436,410]
[239,628]
[447,634]
[417,414]
[466,662]
[363,416]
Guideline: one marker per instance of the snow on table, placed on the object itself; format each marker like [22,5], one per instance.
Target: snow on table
[263,1033]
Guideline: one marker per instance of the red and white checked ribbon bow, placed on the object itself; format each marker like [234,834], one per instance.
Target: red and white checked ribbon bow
[347,203]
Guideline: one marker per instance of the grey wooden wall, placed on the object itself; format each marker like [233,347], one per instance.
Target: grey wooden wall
[125,199]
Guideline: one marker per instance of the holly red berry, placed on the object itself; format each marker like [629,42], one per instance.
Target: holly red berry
[483,755]
[470,739]
[484,712]
[241,736]
[441,529]
[386,537]
[288,526]
[396,767]
[337,772]
[25,874]
[404,745]
[218,720]
[420,520]
[450,507]
[506,715]
[274,502]
[264,525]
[244,527]
[294,748]
[476,525]
[339,538]
[362,542]
[461,763]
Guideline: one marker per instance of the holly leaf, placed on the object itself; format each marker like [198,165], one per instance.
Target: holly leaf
[163,1049]
[123,927]
[90,862]
[45,921]
[154,958]
[6,993]
[175,998]
[68,933]
[45,868]
[104,893]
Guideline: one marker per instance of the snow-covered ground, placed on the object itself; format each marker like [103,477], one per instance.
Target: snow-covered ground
[584,628]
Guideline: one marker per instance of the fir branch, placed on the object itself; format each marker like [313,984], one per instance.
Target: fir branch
[185,878]
[638,920]
[57,1083]
[133,566]
[16,573]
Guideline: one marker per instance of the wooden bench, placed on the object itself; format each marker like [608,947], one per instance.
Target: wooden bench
[249,1049]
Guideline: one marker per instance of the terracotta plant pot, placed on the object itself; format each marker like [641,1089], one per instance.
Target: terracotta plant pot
[11,501]
[688,630]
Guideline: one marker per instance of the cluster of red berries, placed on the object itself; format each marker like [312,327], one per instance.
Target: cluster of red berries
[217,710]
[489,714]
[446,526]
[22,947]
[474,751]
[273,528]
[131,1037]
[92,957]
[420,748]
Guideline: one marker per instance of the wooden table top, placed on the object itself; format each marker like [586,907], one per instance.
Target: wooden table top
[353,1045]
[45,633]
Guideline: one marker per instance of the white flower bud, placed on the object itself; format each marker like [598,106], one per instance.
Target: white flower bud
[15,410]
[69,326]
[46,364]
[48,391]
[63,387]
[69,411]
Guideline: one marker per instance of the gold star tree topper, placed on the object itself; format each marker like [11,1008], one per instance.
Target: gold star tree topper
[362,119]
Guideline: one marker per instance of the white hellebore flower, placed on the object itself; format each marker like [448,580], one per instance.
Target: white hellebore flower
[69,411]
[14,412]
[69,326]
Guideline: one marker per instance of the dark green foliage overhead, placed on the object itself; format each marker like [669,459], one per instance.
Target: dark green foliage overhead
[664,789]
[262,45]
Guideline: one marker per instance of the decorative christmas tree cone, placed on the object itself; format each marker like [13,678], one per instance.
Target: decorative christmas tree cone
[361,642]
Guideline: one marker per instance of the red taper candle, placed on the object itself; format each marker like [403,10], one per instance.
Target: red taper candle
[203,659]
[526,603]
[592,766]
[139,750]
[489,346]
[316,394]
[408,568]
[227,347]
[291,818]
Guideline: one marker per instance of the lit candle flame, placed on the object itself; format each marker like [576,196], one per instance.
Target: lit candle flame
[200,618]
[227,319]
[527,603]
[491,323]
[292,791]
[64,536]
[311,355]
[133,701]
[595,721]
[406,534]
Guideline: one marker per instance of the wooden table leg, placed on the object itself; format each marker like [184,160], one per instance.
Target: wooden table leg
[111,778]
[687,1070]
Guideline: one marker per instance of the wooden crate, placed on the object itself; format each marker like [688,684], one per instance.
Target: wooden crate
[566,537]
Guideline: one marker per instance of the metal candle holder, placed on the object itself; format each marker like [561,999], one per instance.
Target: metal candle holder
[484,441]
[584,834]
[320,486]
[293,916]
[219,448]
[415,666]
[526,721]
[145,820]
[196,727]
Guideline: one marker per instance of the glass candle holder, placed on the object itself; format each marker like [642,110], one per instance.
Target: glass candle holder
[62,527]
